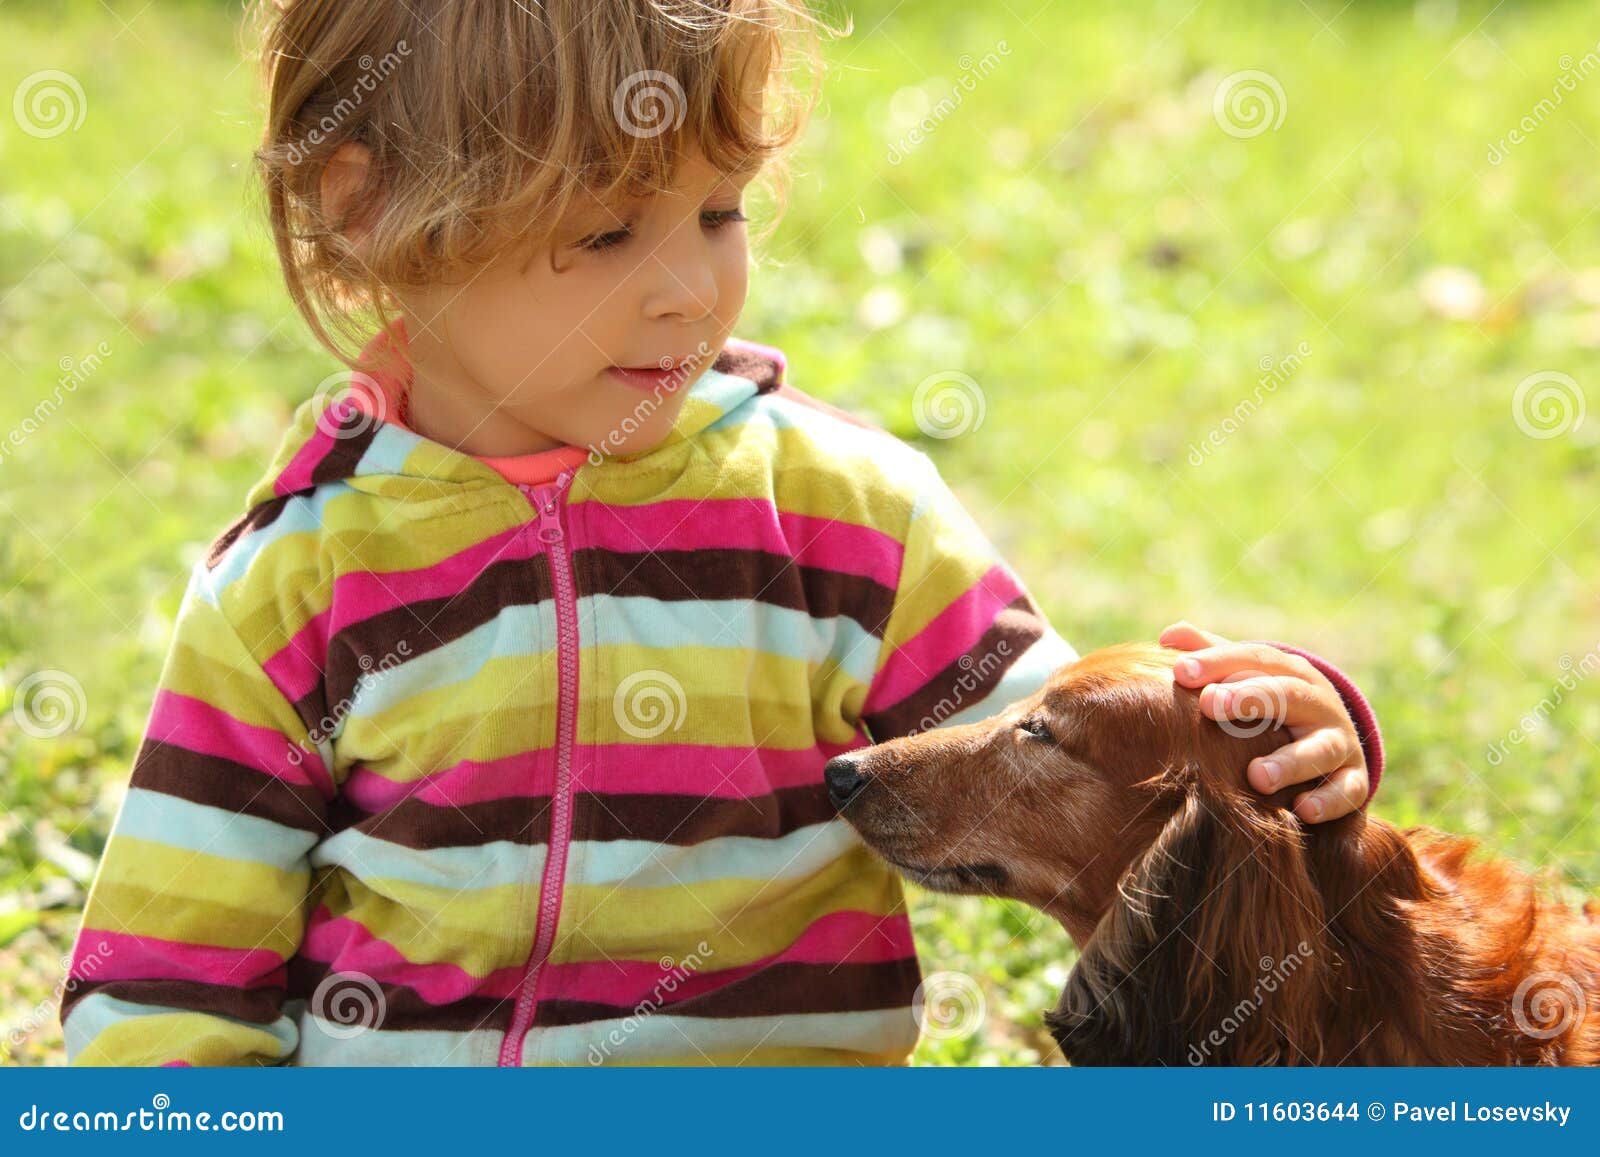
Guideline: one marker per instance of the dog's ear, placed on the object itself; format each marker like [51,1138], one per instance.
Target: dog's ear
[1213,950]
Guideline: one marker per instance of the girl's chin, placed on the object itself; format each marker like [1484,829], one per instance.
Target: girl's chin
[633,433]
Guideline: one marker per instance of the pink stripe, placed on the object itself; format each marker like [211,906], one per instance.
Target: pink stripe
[297,668]
[297,475]
[844,937]
[953,632]
[747,524]
[345,945]
[198,726]
[617,769]
[129,957]
[359,595]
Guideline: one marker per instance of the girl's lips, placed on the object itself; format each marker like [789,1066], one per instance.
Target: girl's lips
[651,378]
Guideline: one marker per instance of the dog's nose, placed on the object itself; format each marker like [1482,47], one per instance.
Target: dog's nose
[844,781]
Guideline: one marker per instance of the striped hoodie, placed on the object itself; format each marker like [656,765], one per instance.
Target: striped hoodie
[447,770]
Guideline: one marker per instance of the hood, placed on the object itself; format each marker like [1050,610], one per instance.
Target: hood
[332,439]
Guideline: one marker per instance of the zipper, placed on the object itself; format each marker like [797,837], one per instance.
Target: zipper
[548,501]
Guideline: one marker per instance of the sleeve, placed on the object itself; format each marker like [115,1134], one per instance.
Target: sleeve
[963,638]
[198,900]
[1361,713]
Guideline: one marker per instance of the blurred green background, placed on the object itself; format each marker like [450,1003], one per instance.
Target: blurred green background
[1273,326]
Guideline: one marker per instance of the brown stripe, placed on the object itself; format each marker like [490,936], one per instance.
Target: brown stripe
[756,575]
[355,434]
[254,1005]
[263,515]
[779,990]
[349,999]
[429,624]
[680,820]
[752,365]
[966,681]
[785,989]
[222,783]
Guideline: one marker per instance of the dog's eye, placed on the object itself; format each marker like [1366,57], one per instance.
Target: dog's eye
[1036,729]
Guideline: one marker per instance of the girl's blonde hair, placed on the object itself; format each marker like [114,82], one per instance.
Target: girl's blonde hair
[485,120]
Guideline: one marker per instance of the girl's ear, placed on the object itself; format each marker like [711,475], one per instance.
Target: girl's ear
[343,178]
[1213,951]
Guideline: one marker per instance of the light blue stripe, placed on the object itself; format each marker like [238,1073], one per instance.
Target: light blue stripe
[97,1012]
[658,1035]
[740,624]
[643,864]
[303,513]
[515,631]
[339,1044]
[458,868]
[388,450]
[623,1040]
[212,831]
[636,863]
[1025,677]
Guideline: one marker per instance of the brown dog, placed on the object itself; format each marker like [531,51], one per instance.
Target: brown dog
[1215,927]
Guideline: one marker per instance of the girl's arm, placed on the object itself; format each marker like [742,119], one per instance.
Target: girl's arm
[199,897]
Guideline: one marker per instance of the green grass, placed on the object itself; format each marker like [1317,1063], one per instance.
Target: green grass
[1079,236]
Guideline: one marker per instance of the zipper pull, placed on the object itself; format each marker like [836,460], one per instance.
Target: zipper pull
[549,517]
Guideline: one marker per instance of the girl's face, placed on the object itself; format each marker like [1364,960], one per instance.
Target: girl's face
[524,357]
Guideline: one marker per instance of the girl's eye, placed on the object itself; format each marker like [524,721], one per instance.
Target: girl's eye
[604,240]
[718,218]
[711,219]
[1036,729]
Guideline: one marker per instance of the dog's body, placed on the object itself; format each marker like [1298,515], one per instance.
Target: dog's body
[1214,927]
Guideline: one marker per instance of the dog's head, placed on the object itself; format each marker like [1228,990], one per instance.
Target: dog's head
[1049,801]
[1109,801]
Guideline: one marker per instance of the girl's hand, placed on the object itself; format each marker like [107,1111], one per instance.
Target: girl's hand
[1291,690]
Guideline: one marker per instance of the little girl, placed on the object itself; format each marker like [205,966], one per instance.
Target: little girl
[492,733]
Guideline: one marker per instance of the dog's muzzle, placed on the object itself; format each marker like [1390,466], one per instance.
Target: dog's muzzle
[844,781]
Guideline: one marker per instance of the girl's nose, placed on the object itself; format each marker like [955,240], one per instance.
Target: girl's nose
[683,281]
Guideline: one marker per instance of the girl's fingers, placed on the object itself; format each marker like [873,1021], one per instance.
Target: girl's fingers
[1213,664]
[1253,703]
[1185,636]
[1345,791]
[1311,757]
